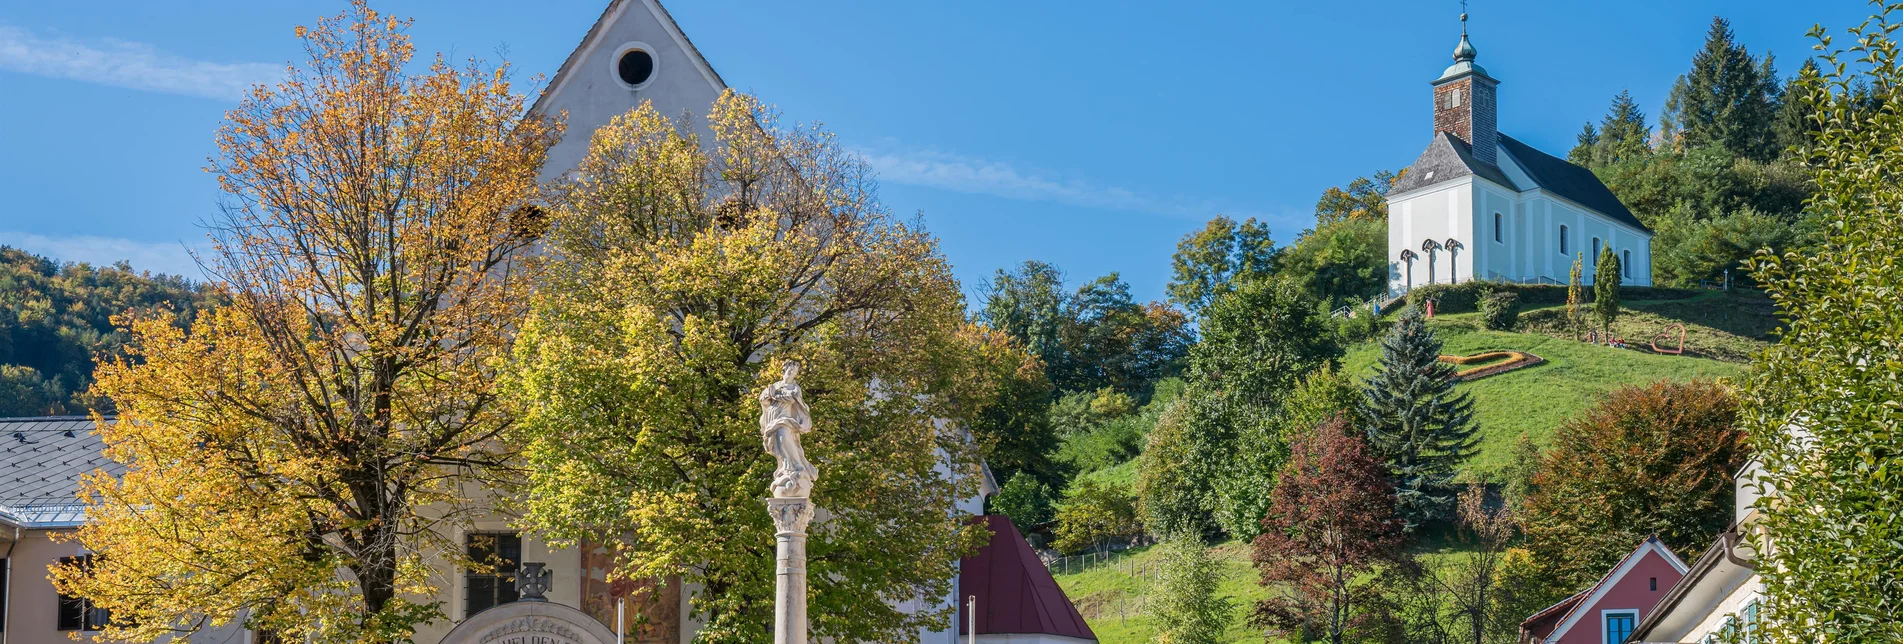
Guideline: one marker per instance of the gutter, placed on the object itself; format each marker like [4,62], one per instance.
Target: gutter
[6,602]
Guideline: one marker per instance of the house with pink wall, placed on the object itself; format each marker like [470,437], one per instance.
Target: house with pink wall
[1607,612]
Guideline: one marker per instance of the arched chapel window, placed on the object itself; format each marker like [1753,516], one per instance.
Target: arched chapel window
[1565,248]
[1496,227]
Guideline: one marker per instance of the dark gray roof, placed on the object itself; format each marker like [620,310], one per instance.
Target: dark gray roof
[1445,159]
[1572,182]
[41,460]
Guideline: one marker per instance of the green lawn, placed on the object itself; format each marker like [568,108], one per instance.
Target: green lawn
[1535,400]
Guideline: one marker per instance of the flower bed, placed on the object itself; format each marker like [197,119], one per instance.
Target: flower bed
[1491,363]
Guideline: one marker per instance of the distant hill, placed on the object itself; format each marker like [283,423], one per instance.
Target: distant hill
[1722,330]
[56,317]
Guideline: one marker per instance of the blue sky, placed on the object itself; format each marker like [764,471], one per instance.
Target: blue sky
[1089,135]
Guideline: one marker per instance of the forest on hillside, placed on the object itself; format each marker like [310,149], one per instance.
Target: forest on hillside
[57,317]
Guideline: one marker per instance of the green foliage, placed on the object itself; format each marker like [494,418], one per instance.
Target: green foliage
[1728,100]
[1621,136]
[1340,262]
[1500,310]
[1095,515]
[1363,199]
[1177,491]
[1095,337]
[1026,500]
[1575,297]
[1211,261]
[1101,430]
[1605,290]
[1186,602]
[56,318]
[1448,298]
[1015,427]
[1655,459]
[1416,422]
[1690,249]
[1821,406]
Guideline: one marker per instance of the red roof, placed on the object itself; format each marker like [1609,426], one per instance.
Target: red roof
[1015,592]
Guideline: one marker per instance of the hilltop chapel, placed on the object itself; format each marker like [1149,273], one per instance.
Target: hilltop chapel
[1479,204]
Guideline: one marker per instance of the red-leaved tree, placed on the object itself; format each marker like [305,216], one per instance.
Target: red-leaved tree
[1330,523]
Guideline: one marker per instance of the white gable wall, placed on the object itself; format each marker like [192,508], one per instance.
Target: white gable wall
[1440,212]
[591,94]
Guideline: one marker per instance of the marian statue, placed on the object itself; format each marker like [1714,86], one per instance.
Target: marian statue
[783,417]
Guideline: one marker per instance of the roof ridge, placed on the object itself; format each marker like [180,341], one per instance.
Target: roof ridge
[48,419]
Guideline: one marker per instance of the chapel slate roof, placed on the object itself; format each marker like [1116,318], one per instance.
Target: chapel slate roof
[1575,183]
[41,460]
[1015,591]
[1447,158]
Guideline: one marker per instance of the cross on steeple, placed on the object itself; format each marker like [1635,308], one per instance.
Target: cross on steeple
[1463,17]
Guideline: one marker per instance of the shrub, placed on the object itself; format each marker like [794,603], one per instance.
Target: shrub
[1654,459]
[1500,310]
[1096,514]
[1025,499]
[1188,610]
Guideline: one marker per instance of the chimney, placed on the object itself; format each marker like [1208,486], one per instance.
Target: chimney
[1464,102]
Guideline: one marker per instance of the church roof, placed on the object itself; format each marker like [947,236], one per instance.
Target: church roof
[1449,158]
[1575,183]
[1016,594]
[41,460]
[1446,159]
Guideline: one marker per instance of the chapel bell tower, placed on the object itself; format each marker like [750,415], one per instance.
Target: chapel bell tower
[1464,102]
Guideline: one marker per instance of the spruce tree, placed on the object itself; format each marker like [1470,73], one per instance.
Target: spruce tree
[1416,422]
[1582,153]
[1623,135]
[1727,101]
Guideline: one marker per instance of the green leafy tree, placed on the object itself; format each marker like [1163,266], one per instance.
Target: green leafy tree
[1187,603]
[1416,423]
[1094,515]
[1365,198]
[1821,405]
[1026,500]
[1211,261]
[1177,493]
[1653,459]
[1605,291]
[1340,262]
[684,273]
[1258,342]
[1094,337]
[1014,427]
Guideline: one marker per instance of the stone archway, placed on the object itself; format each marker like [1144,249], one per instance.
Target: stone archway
[531,622]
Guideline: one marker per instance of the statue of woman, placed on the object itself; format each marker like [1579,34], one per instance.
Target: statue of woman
[783,417]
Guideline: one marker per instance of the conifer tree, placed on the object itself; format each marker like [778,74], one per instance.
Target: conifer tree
[1605,290]
[1575,296]
[1727,100]
[1416,422]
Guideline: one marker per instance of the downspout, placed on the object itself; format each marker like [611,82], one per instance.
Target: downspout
[6,601]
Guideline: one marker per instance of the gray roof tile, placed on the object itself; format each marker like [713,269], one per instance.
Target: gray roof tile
[41,460]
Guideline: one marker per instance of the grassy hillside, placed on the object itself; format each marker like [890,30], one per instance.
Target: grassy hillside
[1111,595]
[1721,332]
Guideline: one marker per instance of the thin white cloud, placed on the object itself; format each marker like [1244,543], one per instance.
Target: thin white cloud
[944,171]
[127,64]
[156,257]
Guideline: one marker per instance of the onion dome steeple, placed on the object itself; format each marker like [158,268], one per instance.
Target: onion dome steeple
[1464,54]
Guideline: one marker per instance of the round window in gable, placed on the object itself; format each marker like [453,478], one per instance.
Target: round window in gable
[634,65]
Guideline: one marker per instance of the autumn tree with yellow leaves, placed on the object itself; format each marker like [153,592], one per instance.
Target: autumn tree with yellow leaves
[294,458]
[683,273]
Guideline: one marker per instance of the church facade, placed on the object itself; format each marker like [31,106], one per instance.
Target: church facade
[1481,205]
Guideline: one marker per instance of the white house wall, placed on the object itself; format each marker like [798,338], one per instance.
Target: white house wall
[33,604]
[1439,213]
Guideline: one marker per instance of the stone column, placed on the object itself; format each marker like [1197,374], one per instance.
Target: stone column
[790,517]
[784,416]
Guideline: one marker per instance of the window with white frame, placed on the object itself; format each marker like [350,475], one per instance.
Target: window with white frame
[1625,262]
[79,613]
[1498,221]
[1564,247]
